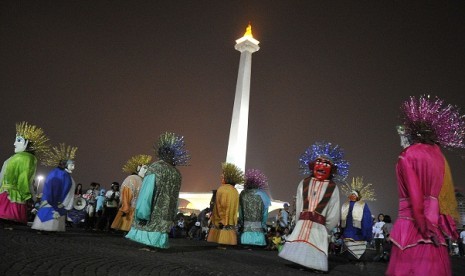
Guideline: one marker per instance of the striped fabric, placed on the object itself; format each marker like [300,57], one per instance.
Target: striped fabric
[356,248]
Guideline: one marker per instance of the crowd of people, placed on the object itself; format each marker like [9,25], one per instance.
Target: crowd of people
[145,209]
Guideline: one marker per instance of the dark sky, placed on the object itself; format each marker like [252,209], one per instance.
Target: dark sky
[110,76]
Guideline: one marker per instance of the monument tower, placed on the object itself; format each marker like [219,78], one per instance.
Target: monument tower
[237,146]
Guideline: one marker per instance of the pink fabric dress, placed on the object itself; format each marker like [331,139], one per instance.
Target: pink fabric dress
[420,176]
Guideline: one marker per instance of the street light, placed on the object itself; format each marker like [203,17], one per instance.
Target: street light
[39,179]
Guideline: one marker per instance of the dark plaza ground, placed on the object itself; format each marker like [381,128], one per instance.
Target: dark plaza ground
[76,252]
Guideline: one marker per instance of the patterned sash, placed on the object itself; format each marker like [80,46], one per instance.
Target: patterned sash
[324,201]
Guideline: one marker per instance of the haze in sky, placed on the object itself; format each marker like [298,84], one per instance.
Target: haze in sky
[110,76]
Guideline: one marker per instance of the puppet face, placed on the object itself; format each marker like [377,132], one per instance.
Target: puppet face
[322,169]
[404,142]
[142,171]
[20,144]
[70,167]
[353,197]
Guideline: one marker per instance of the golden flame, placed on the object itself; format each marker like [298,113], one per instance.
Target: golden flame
[248,31]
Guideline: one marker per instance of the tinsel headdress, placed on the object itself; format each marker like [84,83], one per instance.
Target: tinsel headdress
[134,162]
[333,153]
[433,120]
[171,149]
[35,135]
[364,191]
[59,154]
[232,174]
[255,179]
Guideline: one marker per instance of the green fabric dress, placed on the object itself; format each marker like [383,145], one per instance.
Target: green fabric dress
[156,205]
[16,180]
[253,213]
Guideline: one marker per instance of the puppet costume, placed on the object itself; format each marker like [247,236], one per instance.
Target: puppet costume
[356,220]
[130,191]
[223,229]
[58,193]
[317,208]
[253,211]
[156,206]
[18,172]
[17,175]
[427,203]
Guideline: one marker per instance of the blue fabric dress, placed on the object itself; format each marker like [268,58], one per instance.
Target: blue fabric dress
[59,193]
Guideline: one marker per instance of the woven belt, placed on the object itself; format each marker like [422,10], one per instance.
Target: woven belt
[313,216]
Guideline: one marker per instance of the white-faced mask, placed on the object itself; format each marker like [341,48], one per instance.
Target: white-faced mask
[70,167]
[142,170]
[20,144]
[404,141]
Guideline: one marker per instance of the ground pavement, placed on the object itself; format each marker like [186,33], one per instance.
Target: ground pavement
[76,252]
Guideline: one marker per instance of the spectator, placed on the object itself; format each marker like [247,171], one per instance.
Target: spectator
[387,245]
[203,218]
[378,236]
[283,217]
[91,195]
[285,234]
[195,232]
[336,244]
[276,241]
[78,190]
[461,242]
[111,205]
[100,210]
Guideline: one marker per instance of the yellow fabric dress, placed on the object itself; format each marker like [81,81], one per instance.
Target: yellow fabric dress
[129,192]
[224,217]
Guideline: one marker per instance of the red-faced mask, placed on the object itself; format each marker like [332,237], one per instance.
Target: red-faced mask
[353,197]
[322,169]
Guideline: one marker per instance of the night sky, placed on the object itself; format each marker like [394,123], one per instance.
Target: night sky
[110,76]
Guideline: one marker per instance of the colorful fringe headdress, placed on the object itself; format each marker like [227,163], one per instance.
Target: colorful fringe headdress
[334,154]
[35,135]
[134,162]
[364,191]
[232,174]
[255,179]
[59,154]
[171,149]
[431,120]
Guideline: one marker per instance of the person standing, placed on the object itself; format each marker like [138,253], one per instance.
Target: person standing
[283,217]
[387,228]
[136,167]
[156,206]
[317,206]
[462,242]
[378,236]
[356,220]
[204,218]
[427,203]
[253,208]
[224,217]
[111,205]
[58,193]
[18,171]
[91,197]
[100,216]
